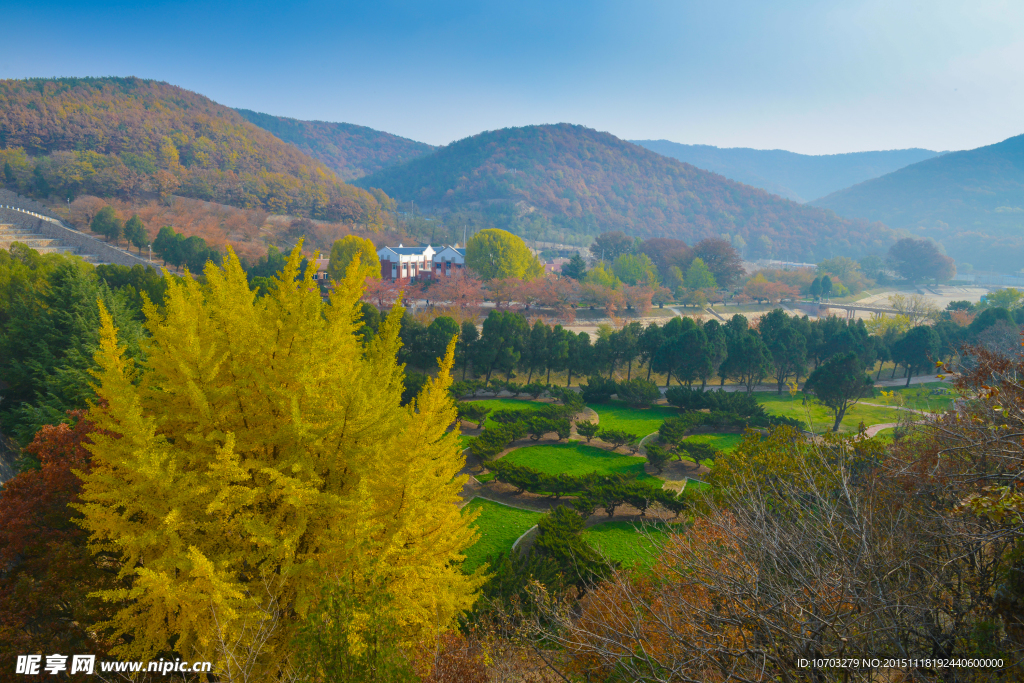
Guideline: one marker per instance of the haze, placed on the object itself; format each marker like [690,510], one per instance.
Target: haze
[810,77]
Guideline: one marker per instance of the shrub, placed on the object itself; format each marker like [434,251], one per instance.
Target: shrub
[657,457]
[698,451]
[639,393]
[538,426]
[473,412]
[508,416]
[598,389]
[569,398]
[674,429]
[515,388]
[588,430]
[465,389]
[535,389]
[616,437]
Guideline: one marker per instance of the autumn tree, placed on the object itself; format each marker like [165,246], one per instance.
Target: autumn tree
[608,246]
[262,451]
[920,260]
[49,573]
[345,249]
[721,258]
[496,254]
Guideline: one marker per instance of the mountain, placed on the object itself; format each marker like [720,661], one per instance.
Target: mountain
[800,177]
[131,138]
[972,202]
[553,182]
[352,151]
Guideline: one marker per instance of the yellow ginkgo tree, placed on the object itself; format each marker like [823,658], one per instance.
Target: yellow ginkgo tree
[260,453]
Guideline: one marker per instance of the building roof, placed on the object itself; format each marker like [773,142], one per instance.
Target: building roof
[458,250]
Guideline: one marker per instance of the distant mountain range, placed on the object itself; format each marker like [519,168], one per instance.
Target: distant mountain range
[353,151]
[542,181]
[972,202]
[799,177]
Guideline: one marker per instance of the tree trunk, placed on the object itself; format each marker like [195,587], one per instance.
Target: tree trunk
[568,380]
[894,366]
[839,418]
[648,372]
[909,375]
[530,376]
[668,380]
[629,371]
[549,376]
[879,371]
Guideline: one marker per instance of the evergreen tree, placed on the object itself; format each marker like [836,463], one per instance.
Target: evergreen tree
[576,268]
[135,233]
[839,383]
[106,223]
[262,450]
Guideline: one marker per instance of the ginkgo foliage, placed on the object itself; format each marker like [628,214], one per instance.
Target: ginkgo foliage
[260,453]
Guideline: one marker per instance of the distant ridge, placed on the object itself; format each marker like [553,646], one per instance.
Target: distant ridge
[800,177]
[972,202]
[553,181]
[352,151]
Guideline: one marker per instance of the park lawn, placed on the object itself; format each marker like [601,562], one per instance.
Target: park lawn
[496,404]
[464,439]
[818,418]
[639,421]
[577,458]
[723,442]
[631,543]
[499,527]
[919,397]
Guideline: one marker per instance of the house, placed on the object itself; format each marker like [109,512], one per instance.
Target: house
[448,260]
[321,271]
[406,264]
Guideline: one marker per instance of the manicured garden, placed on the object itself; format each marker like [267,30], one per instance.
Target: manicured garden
[630,543]
[496,404]
[577,458]
[639,421]
[818,418]
[499,527]
[920,396]
[723,442]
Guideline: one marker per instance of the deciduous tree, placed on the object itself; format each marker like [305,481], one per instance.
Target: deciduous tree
[261,451]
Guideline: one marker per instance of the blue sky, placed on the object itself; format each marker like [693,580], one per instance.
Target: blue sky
[807,76]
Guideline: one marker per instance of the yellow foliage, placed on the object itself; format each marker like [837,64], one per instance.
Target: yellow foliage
[261,452]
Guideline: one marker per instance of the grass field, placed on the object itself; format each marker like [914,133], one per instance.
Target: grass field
[818,418]
[499,526]
[617,415]
[464,439]
[577,458]
[496,404]
[919,397]
[723,442]
[628,542]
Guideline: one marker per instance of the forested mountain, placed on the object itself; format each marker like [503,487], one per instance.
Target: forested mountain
[800,177]
[353,151]
[132,138]
[971,201]
[562,181]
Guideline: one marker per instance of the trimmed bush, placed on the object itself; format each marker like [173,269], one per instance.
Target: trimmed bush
[638,393]
[598,389]
[587,430]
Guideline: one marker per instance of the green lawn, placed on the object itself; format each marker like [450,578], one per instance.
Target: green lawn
[577,458]
[919,396]
[817,418]
[464,440]
[617,415]
[499,526]
[496,404]
[723,442]
[628,542]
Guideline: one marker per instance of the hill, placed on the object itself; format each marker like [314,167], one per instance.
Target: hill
[972,202]
[556,182]
[131,138]
[800,177]
[352,151]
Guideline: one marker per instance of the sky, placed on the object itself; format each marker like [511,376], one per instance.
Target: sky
[806,76]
